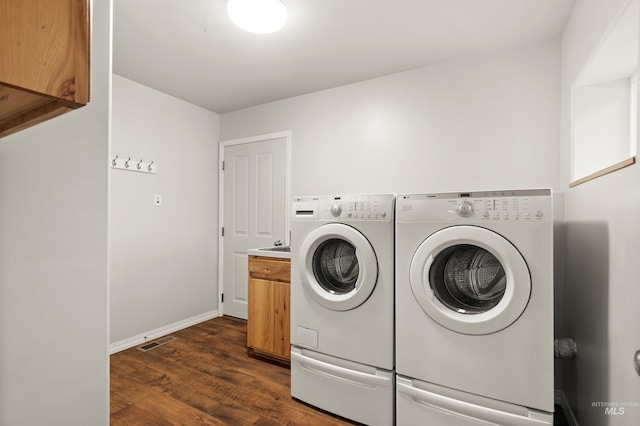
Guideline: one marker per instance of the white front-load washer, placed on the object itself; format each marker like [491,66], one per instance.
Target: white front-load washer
[342,305]
[474,308]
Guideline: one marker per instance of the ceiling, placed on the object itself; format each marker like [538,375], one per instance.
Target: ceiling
[189,49]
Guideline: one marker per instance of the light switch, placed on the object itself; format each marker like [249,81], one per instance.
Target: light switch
[157,200]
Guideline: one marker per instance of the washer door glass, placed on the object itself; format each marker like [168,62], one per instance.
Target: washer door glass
[340,268]
[470,280]
[335,266]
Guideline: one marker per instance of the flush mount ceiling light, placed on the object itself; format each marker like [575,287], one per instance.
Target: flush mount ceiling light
[257,16]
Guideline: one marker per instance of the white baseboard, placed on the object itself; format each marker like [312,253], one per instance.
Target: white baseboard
[560,399]
[159,332]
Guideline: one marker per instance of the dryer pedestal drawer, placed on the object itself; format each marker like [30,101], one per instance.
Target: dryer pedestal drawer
[424,403]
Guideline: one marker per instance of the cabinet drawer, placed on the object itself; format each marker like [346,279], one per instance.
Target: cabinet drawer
[270,268]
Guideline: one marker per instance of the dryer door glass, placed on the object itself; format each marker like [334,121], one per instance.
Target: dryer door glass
[470,280]
[467,279]
[335,266]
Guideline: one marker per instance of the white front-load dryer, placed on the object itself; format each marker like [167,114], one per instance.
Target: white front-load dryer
[474,307]
[342,305]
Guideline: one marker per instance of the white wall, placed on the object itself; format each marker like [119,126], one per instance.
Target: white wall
[163,260]
[487,122]
[602,251]
[54,365]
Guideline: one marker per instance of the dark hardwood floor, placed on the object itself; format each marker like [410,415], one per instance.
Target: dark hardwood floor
[205,377]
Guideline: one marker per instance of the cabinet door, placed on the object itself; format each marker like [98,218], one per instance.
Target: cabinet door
[260,322]
[282,322]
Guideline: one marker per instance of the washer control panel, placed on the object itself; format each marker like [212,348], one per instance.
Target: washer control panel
[345,207]
[511,206]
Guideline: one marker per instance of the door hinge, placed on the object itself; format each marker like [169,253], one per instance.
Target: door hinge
[223,165]
[222,231]
[222,298]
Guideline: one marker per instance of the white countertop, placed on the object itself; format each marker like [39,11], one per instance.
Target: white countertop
[269,252]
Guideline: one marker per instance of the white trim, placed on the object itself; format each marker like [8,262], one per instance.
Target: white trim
[559,398]
[287,229]
[162,331]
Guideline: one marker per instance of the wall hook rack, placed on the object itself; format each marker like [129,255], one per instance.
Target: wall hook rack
[141,166]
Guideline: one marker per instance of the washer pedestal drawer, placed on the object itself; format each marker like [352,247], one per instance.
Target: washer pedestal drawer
[355,391]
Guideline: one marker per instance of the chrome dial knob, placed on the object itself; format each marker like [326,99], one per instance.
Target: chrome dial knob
[465,209]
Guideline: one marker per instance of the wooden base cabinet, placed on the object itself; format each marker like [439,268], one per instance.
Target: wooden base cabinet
[44,60]
[268,311]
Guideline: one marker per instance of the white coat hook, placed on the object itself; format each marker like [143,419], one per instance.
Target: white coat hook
[118,163]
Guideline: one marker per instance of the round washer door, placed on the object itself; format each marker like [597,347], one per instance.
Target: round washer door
[340,268]
[470,280]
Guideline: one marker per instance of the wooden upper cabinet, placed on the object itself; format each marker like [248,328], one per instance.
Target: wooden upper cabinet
[44,60]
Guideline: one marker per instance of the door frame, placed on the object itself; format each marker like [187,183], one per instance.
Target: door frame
[287,225]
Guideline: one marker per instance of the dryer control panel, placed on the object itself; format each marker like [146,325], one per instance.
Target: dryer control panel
[506,206]
[345,207]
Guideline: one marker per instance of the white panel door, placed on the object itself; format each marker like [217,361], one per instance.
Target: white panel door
[254,211]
